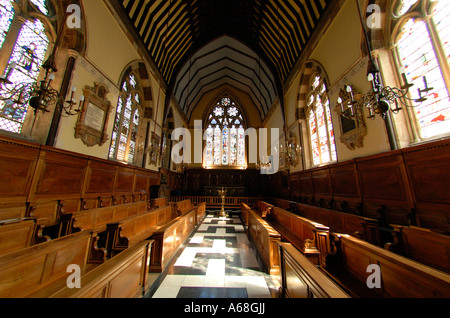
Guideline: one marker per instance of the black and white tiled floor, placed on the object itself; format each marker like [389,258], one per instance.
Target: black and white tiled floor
[217,261]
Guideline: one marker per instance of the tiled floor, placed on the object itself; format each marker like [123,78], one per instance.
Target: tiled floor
[217,261]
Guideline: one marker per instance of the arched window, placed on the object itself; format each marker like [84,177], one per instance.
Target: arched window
[6,18]
[126,125]
[422,47]
[319,120]
[24,64]
[225,135]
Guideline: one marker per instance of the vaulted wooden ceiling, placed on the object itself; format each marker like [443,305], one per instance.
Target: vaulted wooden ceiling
[173,31]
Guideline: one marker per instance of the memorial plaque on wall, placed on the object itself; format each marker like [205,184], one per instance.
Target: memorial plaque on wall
[94,115]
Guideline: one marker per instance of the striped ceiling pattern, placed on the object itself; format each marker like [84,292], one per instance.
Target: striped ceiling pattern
[174,30]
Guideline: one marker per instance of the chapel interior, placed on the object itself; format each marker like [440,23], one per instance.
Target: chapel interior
[224,148]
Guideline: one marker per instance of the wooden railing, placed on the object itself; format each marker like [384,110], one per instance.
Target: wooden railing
[216,202]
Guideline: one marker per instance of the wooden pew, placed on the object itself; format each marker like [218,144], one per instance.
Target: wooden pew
[182,207]
[16,234]
[157,203]
[422,245]
[244,213]
[301,279]
[263,208]
[36,268]
[134,229]
[123,276]
[265,239]
[169,238]
[311,238]
[400,276]
[97,219]
[200,213]
[340,222]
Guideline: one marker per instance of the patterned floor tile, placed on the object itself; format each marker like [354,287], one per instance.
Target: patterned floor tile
[217,261]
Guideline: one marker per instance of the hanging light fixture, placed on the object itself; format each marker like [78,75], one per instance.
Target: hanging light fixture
[381,99]
[39,95]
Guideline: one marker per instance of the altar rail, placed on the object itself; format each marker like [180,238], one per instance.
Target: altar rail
[216,202]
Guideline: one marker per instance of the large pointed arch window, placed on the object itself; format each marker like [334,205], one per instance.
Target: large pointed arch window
[422,47]
[126,125]
[225,136]
[6,18]
[24,64]
[319,121]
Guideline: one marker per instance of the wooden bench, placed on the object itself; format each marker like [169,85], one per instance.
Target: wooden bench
[263,208]
[97,219]
[311,238]
[16,234]
[244,213]
[301,279]
[123,276]
[358,226]
[400,276]
[200,213]
[36,268]
[157,203]
[169,238]
[422,245]
[134,229]
[265,238]
[340,222]
[181,207]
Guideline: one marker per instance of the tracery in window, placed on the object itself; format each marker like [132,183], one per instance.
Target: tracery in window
[6,17]
[225,135]
[41,4]
[319,120]
[404,6]
[126,125]
[417,57]
[23,67]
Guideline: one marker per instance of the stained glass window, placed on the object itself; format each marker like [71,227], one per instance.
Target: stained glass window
[124,138]
[417,58]
[225,135]
[405,5]
[27,57]
[320,125]
[41,4]
[6,17]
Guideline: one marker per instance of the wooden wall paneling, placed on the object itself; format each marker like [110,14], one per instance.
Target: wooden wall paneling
[322,186]
[294,185]
[59,175]
[125,180]
[18,161]
[385,189]
[155,178]
[306,187]
[142,185]
[428,169]
[101,178]
[345,187]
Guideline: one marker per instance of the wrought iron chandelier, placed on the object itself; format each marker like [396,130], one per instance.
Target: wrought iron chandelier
[40,95]
[381,99]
